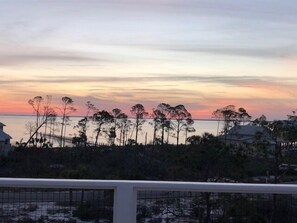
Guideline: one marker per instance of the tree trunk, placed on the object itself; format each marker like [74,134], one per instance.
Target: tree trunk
[62,130]
[186,136]
[35,132]
[64,136]
[163,131]
[97,136]
[136,131]
[168,130]
[155,133]
[121,136]
[177,133]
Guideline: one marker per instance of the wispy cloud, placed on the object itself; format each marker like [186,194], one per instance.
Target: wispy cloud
[32,56]
[111,51]
[243,80]
[261,52]
[253,9]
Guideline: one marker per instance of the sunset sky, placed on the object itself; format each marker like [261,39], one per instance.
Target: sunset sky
[116,53]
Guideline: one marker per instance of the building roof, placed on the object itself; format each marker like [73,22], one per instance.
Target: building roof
[4,136]
[1,124]
[247,133]
[246,130]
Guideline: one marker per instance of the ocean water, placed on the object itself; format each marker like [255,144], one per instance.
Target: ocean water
[16,128]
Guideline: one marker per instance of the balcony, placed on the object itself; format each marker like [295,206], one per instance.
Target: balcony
[57,200]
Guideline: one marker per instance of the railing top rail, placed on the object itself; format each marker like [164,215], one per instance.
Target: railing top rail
[149,185]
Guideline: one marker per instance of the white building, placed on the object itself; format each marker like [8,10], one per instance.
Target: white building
[5,145]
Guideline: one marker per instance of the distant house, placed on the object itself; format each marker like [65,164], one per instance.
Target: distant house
[5,145]
[250,137]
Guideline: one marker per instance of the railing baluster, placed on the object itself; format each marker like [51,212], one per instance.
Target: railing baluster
[125,204]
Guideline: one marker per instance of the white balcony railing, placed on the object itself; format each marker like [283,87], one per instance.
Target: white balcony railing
[125,192]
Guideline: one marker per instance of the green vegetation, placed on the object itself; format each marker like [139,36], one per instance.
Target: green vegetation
[208,159]
[263,151]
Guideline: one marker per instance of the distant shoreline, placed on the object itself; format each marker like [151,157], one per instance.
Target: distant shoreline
[78,116]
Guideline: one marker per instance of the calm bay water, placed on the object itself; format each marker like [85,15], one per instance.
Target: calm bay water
[16,128]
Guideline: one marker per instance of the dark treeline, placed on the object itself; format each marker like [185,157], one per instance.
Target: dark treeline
[267,155]
[210,160]
[115,126]
[269,152]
